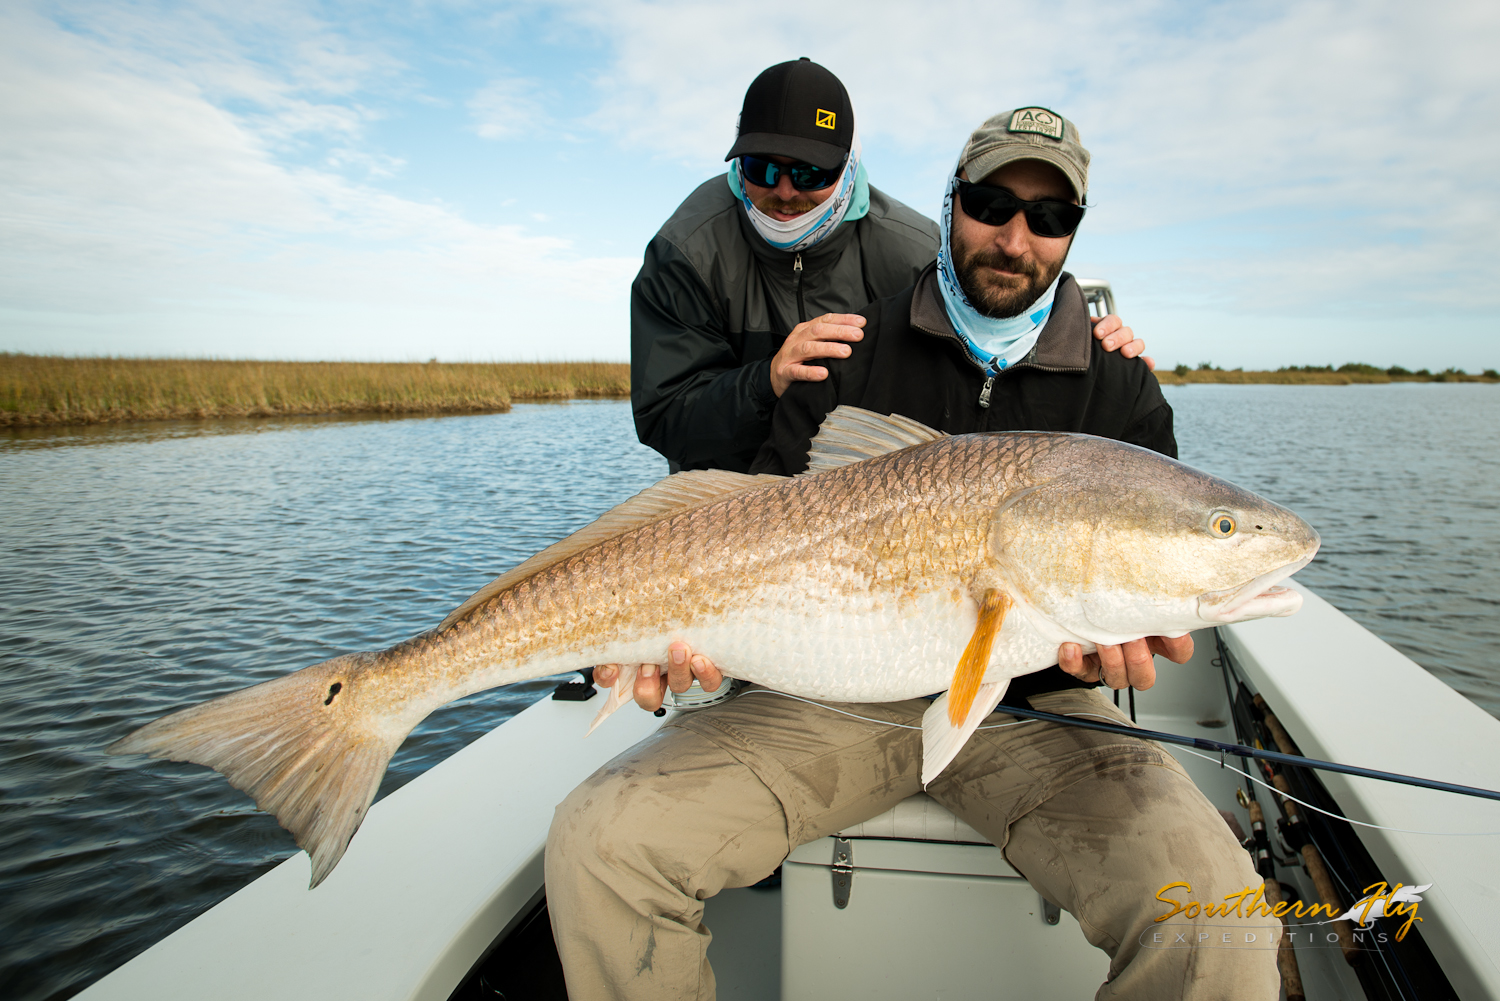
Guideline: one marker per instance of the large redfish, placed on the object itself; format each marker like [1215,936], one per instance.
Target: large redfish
[904,562]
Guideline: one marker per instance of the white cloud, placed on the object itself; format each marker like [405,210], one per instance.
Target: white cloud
[226,174]
[140,216]
[507,108]
[1299,154]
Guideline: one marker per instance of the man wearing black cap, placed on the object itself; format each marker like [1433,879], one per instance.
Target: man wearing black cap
[757,275]
[752,275]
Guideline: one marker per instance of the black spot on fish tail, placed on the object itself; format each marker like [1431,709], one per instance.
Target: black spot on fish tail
[316,772]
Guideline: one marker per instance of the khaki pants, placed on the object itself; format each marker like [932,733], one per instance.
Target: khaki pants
[718,798]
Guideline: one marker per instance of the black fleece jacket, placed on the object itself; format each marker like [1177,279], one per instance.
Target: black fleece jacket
[911,362]
[714,302]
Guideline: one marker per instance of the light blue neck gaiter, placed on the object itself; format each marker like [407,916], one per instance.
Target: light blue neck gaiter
[995,345]
[850,201]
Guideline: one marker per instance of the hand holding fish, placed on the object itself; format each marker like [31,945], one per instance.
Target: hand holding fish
[683,667]
[1130,664]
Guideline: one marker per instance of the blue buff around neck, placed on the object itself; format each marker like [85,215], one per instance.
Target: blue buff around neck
[859,205]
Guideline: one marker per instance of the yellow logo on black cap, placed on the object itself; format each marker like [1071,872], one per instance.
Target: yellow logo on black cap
[825,119]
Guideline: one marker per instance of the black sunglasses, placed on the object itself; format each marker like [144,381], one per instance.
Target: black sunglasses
[805,177]
[996,207]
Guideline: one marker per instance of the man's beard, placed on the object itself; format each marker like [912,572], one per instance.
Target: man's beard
[1001,297]
[771,203]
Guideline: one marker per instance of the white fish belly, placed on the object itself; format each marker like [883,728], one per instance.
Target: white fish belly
[874,652]
[840,648]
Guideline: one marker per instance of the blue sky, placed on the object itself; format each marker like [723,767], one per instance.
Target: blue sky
[1298,183]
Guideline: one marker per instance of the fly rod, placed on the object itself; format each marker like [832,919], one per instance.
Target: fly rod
[1204,744]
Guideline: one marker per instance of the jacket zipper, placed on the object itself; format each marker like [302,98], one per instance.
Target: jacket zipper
[984,394]
[797,274]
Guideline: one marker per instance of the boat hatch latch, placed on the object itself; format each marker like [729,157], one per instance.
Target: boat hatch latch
[576,691]
[843,871]
[1051,913]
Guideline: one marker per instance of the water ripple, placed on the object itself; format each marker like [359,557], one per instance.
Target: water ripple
[1400,481]
[149,568]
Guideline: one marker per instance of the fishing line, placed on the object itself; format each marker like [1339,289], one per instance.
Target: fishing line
[1204,744]
[1073,719]
[1318,809]
[869,719]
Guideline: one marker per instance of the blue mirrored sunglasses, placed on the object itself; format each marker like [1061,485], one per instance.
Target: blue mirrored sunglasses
[805,177]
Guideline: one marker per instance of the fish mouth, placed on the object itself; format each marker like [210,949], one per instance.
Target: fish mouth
[1258,599]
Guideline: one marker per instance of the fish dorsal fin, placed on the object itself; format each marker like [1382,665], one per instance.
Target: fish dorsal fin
[673,495]
[850,434]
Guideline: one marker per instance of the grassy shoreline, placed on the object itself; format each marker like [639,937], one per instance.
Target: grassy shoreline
[38,390]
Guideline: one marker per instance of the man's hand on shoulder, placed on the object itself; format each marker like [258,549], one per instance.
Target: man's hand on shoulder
[828,336]
[683,666]
[1129,664]
[1113,335]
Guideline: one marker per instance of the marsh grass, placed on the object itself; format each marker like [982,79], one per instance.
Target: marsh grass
[45,389]
[42,389]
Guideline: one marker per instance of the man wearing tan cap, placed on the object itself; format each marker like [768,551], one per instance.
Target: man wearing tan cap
[993,336]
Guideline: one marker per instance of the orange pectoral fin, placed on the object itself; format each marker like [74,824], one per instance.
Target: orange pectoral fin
[976,656]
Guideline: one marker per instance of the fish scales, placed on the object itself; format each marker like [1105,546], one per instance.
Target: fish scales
[854,542]
[866,537]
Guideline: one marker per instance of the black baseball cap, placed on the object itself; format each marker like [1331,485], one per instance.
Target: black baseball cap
[796,109]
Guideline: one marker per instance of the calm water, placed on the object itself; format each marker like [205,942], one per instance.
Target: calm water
[1403,484]
[147,568]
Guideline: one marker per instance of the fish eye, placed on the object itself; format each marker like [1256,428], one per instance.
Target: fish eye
[1221,524]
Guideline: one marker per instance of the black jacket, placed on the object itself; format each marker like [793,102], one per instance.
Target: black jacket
[713,303]
[911,362]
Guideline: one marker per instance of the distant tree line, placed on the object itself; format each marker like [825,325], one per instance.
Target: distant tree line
[1362,369]
[1356,368]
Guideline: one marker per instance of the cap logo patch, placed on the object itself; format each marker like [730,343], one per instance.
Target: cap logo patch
[825,119]
[1038,120]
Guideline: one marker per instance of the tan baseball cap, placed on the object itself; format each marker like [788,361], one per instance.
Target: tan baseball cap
[1027,134]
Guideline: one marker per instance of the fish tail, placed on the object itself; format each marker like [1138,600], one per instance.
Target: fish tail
[299,745]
